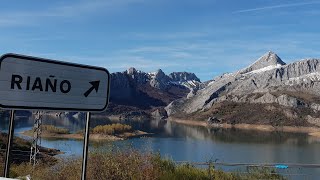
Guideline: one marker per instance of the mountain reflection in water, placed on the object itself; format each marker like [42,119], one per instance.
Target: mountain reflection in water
[191,143]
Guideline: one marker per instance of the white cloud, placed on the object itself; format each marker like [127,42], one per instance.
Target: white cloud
[169,35]
[205,58]
[81,8]
[113,63]
[276,7]
[141,63]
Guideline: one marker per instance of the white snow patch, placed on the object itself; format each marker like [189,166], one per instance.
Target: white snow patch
[191,82]
[268,68]
[188,84]
[210,83]
[152,74]
[315,76]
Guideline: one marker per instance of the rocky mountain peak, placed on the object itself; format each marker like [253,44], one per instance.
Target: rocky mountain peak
[159,80]
[136,76]
[159,73]
[183,77]
[269,59]
[131,71]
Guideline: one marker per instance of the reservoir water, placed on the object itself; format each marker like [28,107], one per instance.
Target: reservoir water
[195,144]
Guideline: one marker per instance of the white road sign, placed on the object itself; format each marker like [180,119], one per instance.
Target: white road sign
[36,83]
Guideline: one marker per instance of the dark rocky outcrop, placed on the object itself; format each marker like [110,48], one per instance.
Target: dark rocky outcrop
[213,120]
[183,77]
[134,91]
[159,113]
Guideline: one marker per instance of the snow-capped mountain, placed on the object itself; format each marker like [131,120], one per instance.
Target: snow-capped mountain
[268,61]
[160,80]
[288,91]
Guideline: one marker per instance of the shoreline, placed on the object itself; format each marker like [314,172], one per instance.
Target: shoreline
[311,131]
[94,137]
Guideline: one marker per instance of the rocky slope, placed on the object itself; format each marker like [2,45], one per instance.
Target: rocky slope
[267,92]
[137,94]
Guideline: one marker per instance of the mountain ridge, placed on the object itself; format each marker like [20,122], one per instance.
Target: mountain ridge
[136,93]
[291,88]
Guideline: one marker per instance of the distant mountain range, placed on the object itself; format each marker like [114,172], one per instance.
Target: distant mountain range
[138,94]
[267,92]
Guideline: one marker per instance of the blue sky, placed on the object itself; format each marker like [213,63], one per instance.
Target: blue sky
[207,37]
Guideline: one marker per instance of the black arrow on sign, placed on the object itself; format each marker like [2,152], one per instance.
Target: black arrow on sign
[95,85]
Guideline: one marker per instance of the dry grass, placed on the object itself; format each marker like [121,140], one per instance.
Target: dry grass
[130,164]
[54,130]
[111,129]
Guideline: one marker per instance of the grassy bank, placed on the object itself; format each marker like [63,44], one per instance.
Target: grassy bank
[132,164]
[112,129]
[111,132]
[21,150]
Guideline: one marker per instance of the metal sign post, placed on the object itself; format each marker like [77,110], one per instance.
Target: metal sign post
[41,84]
[10,138]
[85,147]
